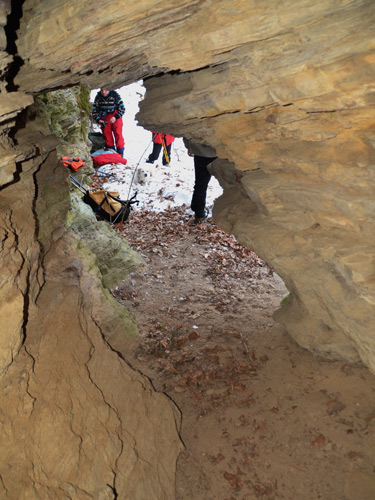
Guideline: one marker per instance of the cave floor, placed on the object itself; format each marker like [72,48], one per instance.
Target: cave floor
[261,417]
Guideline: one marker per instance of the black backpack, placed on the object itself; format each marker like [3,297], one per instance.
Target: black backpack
[106,204]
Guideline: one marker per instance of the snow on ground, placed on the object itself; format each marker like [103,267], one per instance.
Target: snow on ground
[163,187]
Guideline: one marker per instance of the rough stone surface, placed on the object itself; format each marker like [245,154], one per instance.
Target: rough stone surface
[77,421]
[285,92]
[71,405]
[70,401]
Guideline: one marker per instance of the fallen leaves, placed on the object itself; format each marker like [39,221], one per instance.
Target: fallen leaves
[234,480]
[194,335]
[158,231]
[299,467]
[159,236]
[320,439]
[217,459]
[191,343]
[335,407]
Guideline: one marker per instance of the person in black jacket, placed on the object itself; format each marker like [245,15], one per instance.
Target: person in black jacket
[108,111]
[203,156]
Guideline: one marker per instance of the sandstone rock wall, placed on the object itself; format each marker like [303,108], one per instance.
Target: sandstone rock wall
[77,421]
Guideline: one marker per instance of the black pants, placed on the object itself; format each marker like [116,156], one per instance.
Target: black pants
[202,178]
[156,152]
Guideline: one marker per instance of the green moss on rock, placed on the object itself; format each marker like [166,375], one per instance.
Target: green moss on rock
[52,208]
[106,257]
[117,324]
[286,300]
[66,113]
[113,255]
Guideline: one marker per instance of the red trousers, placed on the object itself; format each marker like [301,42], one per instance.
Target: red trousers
[113,132]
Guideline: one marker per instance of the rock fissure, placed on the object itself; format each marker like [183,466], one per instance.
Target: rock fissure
[26,305]
[117,466]
[259,109]
[144,385]
[324,111]
[34,204]
[10,30]
[195,70]
[14,247]
[78,436]
[113,489]
[33,398]
[3,484]
[111,408]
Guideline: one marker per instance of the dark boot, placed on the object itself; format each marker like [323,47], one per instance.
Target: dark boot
[199,220]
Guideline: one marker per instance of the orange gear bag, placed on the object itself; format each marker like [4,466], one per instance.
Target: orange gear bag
[73,163]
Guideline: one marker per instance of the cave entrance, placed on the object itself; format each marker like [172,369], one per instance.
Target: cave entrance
[159,187]
[204,306]
[203,302]
[194,274]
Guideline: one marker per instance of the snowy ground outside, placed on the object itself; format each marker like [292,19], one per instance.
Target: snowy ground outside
[163,187]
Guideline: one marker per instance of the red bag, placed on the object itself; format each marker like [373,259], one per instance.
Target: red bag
[105,158]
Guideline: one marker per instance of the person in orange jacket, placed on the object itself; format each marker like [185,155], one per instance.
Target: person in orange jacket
[161,141]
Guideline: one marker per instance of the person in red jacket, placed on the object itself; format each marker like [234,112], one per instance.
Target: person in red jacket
[161,141]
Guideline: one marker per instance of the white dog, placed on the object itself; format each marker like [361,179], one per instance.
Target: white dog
[142,175]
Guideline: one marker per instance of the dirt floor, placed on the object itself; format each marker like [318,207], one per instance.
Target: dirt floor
[261,417]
